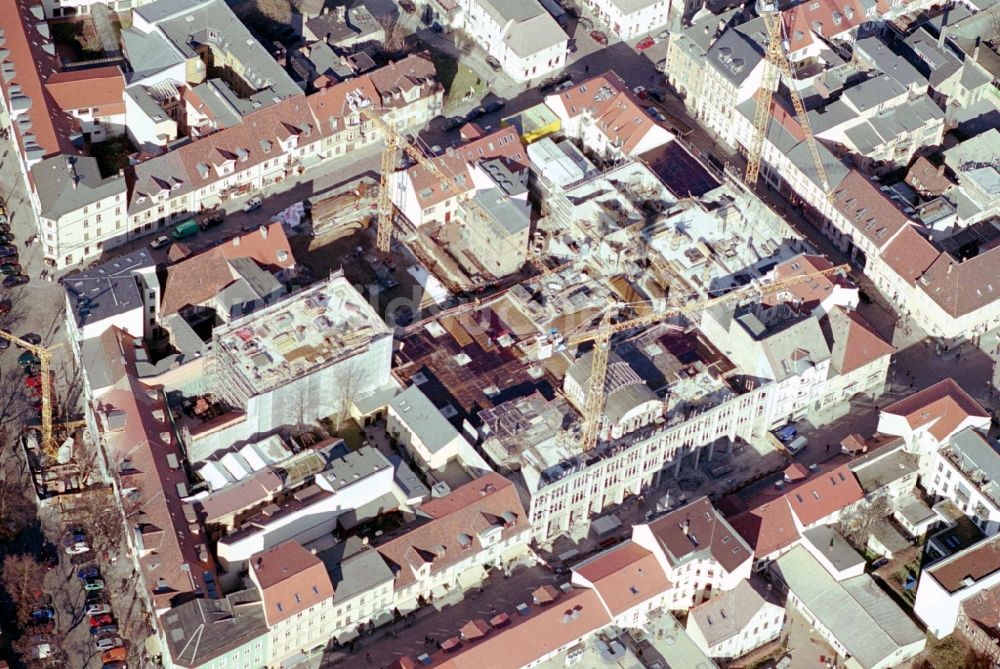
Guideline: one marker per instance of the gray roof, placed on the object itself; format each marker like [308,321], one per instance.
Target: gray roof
[188,24]
[65,184]
[728,613]
[880,471]
[511,213]
[359,25]
[354,569]
[534,34]
[865,620]
[883,59]
[789,346]
[509,182]
[183,337]
[698,37]
[937,63]
[978,453]
[984,148]
[629,6]
[872,92]
[148,53]
[973,76]
[352,466]
[406,480]
[217,97]
[734,56]
[203,629]
[619,402]
[914,510]
[889,536]
[109,289]
[518,11]
[423,418]
[834,547]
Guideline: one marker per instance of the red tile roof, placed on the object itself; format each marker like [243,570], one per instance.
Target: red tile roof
[707,533]
[625,576]
[455,525]
[178,565]
[867,209]
[291,580]
[529,637]
[810,293]
[961,288]
[268,246]
[826,18]
[910,254]
[768,524]
[504,143]
[944,406]
[101,87]
[33,66]
[977,561]
[856,343]
[613,108]
[927,179]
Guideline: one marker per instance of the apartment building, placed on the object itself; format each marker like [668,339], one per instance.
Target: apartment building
[605,116]
[628,579]
[928,419]
[520,34]
[735,622]
[698,550]
[687,54]
[627,19]
[455,539]
[298,600]
[966,470]
[944,586]
[732,72]
[213,633]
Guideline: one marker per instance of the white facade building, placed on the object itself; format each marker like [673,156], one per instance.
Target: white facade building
[735,622]
[519,34]
[628,19]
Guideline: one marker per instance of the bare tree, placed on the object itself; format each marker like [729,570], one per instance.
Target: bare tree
[350,382]
[857,526]
[395,36]
[98,511]
[17,510]
[40,648]
[22,578]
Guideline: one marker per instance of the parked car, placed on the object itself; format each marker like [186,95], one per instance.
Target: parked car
[108,642]
[476,113]
[640,92]
[655,113]
[10,268]
[493,63]
[599,37]
[253,204]
[43,614]
[645,43]
[6,237]
[114,655]
[13,280]
[113,665]
[90,571]
[494,106]
[77,549]
[32,338]
[437,27]
[96,609]
[211,220]
[93,584]
[110,628]
[7,249]
[27,359]
[159,242]
[96,597]
[8,258]
[103,619]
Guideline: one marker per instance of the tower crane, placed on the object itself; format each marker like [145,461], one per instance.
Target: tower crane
[775,61]
[48,443]
[394,142]
[601,337]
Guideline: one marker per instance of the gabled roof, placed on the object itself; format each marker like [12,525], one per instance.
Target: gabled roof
[291,580]
[624,576]
[454,526]
[176,565]
[728,613]
[910,253]
[928,179]
[826,18]
[943,406]
[101,87]
[768,524]
[707,535]
[810,293]
[962,287]
[199,631]
[867,209]
[853,341]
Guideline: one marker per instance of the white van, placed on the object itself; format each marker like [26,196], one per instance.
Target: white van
[797,444]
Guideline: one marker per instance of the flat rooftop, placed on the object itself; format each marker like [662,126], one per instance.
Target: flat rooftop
[309,330]
[109,289]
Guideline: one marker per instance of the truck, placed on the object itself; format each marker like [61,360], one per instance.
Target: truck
[797,444]
[185,229]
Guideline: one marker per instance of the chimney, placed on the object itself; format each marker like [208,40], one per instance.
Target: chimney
[975,52]
[263,231]
[687,526]
[236,241]
[342,14]
[941,170]
[326,10]
[831,543]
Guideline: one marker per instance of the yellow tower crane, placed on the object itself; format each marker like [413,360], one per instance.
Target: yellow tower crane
[394,142]
[44,355]
[775,61]
[601,336]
